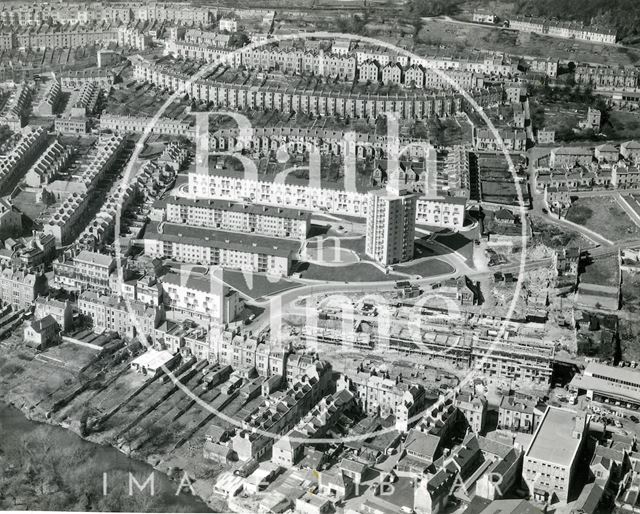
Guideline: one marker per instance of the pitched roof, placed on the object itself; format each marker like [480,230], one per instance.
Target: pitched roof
[422,444]
[40,325]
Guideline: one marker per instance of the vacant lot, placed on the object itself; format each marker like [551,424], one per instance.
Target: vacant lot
[603,271]
[556,237]
[604,216]
[630,292]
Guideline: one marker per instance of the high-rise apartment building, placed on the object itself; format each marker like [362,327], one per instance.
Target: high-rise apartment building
[391,222]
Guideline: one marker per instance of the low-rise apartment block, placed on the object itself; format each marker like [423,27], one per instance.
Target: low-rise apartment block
[194,245]
[517,358]
[72,125]
[206,298]
[239,217]
[224,184]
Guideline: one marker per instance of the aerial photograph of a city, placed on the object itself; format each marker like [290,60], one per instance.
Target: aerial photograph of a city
[320,256]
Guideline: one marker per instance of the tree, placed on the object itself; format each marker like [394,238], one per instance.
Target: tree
[432,7]
[238,40]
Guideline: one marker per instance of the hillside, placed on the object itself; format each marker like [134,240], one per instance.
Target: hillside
[624,15]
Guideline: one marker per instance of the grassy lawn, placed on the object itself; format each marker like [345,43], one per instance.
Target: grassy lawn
[360,272]
[357,245]
[458,243]
[428,268]
[330,255]
[604,216]
[257,286]
[602,271]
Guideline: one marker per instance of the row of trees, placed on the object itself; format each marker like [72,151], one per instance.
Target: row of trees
[432,7]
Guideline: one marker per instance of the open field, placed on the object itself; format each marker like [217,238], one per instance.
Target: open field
[604,216]
[329,251]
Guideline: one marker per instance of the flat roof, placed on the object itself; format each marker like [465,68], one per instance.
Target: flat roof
[99,259]
[229,205]
[614,372]
[604,387]
[220,239]
[153,359]
[553,441]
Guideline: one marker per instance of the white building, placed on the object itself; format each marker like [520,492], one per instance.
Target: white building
[240,217]
[228,24]
[553,454]
[202,297]
[445,212]
[194,245]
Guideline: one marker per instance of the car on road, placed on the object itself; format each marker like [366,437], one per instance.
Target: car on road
[634,419]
